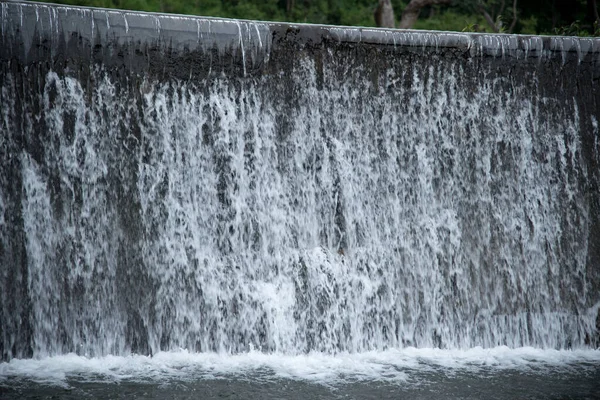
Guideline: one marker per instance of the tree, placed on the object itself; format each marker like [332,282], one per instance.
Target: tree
[495,22]
[412,10]
[384,14]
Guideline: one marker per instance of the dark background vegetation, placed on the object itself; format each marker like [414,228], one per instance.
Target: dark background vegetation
[562,17]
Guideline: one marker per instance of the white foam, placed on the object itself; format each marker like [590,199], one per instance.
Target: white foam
[395,366]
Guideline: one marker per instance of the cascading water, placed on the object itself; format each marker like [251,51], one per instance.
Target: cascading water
[254,186]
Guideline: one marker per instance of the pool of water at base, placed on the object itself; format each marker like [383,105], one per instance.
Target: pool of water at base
[404,374]
[500,385]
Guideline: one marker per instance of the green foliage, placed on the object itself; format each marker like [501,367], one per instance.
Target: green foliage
[576,29]
[264,10]
[558,16]
[528,25]
[451,20]
[360,16]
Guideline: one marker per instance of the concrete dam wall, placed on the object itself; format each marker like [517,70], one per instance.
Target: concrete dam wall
[219,185]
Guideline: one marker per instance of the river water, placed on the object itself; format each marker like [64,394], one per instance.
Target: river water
[498,373]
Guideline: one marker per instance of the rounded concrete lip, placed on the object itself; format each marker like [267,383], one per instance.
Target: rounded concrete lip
[198,31]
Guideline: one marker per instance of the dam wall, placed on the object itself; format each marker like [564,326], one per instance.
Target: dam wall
[224,185]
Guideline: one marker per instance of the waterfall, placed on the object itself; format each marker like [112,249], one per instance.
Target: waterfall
[221,186]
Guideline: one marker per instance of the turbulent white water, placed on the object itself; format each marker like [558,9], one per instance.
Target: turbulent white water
[397,367]
[359,223]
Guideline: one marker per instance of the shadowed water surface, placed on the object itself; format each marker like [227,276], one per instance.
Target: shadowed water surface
[575,384]
[412,374]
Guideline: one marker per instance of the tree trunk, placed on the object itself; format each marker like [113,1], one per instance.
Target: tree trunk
[496,23]
[384,14]
[489,19]
[514,21]
[412,10]
[289,6]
